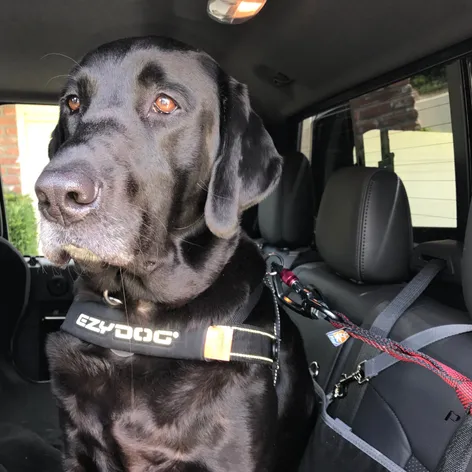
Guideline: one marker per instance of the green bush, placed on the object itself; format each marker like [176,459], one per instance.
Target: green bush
[21,220]
[430,81]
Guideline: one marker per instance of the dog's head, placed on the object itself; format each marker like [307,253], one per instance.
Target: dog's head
[156,154]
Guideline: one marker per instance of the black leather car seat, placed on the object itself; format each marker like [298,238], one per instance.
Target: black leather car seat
[358,212]
[285,217]
[409,414]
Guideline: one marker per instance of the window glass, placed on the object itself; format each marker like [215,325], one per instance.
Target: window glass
[406,127]
[306,137]
[25,131]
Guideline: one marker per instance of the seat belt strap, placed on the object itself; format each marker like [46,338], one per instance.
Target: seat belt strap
[385,321]
[378,364]
[346,432]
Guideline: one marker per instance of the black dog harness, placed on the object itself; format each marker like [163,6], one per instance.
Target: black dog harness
[104,324]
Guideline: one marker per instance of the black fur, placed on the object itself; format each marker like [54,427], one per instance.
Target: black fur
[167,232]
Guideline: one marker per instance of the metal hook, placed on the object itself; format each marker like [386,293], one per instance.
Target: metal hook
[273,254]
[314,369]
[112,301]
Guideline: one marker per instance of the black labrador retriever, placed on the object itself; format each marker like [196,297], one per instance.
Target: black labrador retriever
[156,155]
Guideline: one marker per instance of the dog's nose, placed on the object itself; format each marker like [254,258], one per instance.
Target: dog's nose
[66,197]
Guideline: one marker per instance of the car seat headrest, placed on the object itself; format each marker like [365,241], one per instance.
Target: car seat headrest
[364,229]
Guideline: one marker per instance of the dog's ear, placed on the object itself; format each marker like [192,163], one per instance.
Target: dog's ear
[58,137]
[248,166]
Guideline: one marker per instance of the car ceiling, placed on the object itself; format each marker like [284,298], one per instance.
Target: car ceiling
[323,47]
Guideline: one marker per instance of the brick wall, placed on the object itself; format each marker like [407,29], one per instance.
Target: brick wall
[391,107]
[9,163]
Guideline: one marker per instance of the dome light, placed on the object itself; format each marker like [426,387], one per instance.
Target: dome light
[234,11]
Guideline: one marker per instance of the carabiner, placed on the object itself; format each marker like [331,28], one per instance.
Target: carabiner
[340,389]
[318,306]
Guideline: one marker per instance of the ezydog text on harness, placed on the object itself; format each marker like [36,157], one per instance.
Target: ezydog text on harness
[103,324]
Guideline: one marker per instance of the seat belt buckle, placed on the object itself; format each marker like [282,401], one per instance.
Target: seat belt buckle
[341,388]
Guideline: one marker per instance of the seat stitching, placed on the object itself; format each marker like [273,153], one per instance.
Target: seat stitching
[391,215]
[364,225]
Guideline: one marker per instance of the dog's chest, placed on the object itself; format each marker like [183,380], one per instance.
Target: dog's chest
[153,410]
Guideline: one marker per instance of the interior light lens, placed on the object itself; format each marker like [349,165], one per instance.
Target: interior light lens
[234,11]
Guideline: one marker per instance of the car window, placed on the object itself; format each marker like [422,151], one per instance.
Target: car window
[305,137]
[406,127]
[25,131]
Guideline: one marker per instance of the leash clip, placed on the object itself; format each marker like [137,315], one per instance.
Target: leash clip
[318,307]
[340,389]
[310,305]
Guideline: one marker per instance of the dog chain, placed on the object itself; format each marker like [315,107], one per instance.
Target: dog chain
[269,282]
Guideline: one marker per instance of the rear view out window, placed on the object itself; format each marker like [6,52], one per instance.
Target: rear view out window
[306,137]
[406,128]
[25,131]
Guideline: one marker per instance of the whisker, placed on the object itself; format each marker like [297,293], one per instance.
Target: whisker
[214,194]
[191,224]
[60,54]
[56,77]
[188,242]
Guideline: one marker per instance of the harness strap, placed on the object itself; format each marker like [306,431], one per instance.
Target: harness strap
[241,315]
[103,325]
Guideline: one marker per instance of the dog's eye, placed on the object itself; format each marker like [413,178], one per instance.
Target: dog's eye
[73,102]
[164,104]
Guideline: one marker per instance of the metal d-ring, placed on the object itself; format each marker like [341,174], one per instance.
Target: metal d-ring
[112,301]
[314,369]
[273,254]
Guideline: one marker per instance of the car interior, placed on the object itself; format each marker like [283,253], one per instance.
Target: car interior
[370,105]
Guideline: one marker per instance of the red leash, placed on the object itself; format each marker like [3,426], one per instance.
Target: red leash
[460,383]
[312,307]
